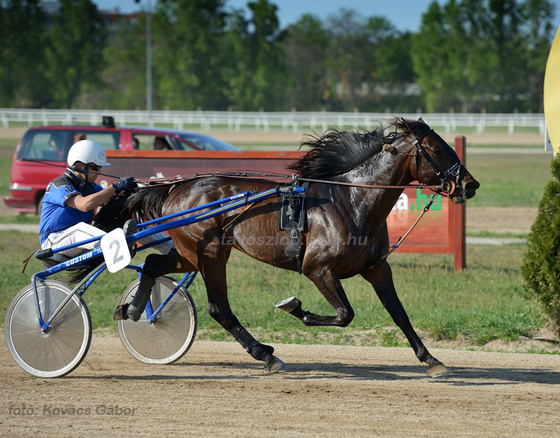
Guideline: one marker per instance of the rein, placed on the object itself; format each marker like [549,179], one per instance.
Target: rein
[405,235]
[400,240]
[438,188]
[434,187]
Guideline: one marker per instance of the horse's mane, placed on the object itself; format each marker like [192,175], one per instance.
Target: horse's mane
[147,203]
[337,152]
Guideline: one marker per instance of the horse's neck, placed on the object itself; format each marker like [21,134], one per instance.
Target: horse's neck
[384,170]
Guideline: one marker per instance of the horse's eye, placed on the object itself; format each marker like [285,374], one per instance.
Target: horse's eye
[436,150]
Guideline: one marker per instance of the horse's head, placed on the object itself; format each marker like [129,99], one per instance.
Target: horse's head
[434,162]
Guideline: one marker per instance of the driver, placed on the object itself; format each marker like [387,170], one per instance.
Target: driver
[71,199]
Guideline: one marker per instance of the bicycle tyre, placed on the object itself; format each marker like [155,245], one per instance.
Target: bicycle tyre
[60,349]
[171,335]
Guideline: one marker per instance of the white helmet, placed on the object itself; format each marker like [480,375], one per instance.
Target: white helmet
[87,151]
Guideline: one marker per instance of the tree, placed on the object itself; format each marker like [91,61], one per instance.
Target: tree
[483,54]
[470,55]
[256,68]
[540,269]
[189,55]
[368,61]
[431,50]
[306,48]
[392,71]
[537,32]
[22,29]
[123,75]
[265,52]
[239,65]
[74,52]
[349,62]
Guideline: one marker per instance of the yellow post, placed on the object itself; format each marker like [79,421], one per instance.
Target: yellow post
[552,94]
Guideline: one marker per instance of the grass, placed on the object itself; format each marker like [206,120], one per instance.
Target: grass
[483,303]
[509,180]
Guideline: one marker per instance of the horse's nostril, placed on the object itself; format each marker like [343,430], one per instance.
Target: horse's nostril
[472,185]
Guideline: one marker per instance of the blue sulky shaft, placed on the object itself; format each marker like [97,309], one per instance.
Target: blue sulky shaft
[230,203]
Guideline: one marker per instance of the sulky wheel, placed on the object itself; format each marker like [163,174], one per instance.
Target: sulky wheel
[170,335]
[58,350]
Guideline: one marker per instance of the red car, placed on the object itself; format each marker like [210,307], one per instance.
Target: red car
[41,153]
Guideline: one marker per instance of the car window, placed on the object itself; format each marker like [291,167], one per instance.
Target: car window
[107,140]
[45,145]
[53,145]
[153,142]
[205,142]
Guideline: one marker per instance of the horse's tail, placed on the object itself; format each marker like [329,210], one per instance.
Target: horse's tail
[78,274]
[147,203]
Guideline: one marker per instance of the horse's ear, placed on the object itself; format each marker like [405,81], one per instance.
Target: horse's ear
[421,120]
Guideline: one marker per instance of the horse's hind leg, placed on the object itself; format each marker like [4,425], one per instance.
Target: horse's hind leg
[218,306]
[154,266]
[382,280]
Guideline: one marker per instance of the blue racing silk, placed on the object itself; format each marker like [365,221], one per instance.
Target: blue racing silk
[55,214]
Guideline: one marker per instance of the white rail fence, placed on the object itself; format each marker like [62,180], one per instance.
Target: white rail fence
[268,121]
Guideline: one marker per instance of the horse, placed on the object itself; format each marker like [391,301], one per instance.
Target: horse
[354,178]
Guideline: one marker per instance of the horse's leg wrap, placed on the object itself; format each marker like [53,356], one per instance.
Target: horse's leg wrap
[254,348]
[138,304]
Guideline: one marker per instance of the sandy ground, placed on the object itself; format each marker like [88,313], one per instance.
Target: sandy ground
[500,220]
[327,391]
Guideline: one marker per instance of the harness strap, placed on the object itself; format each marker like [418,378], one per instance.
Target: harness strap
[237,217]
[400,240]
[26,261]
[294,222]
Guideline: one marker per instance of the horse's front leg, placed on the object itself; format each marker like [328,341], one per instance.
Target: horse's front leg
[382,280]
[329,284]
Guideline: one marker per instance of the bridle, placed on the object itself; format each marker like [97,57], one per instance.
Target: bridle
[449,177]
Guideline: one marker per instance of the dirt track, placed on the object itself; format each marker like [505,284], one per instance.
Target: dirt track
[218,390]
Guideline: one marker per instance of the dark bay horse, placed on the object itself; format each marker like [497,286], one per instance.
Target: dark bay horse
[362,174]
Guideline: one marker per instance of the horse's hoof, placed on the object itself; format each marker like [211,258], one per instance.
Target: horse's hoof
[438,370]
[289,304]
[120,313]
[274,365]
[130,227]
